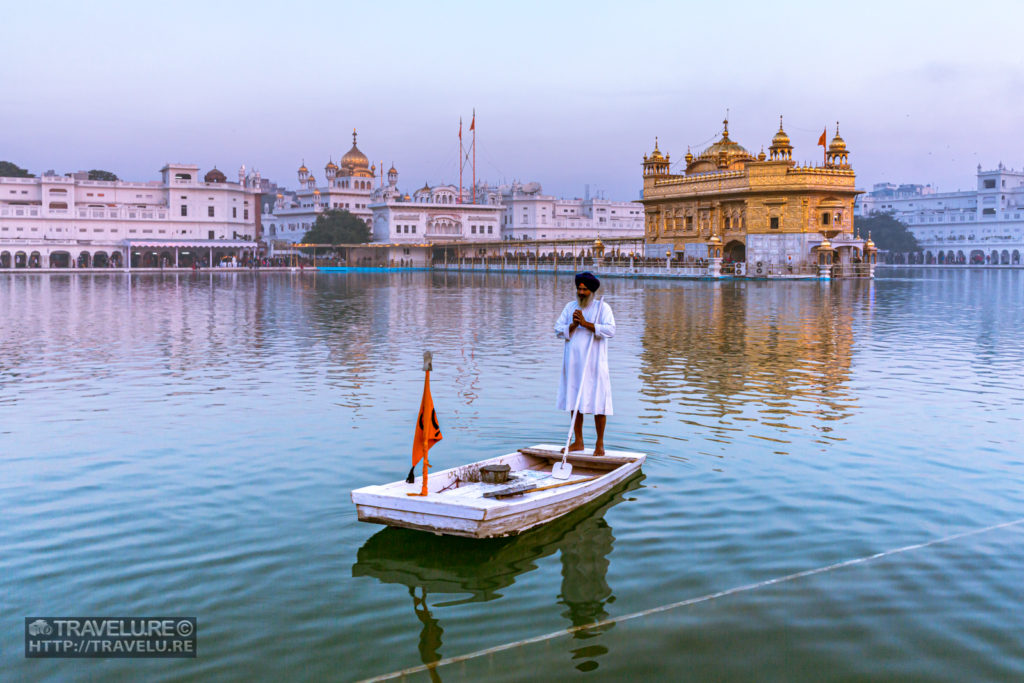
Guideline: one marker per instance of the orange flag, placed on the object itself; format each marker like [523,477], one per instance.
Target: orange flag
[821,140]
[428,432]
[472,126]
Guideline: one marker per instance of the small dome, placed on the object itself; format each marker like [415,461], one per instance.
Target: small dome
[280,196]
[656,155]
[215,176]
[425,188]
[331,165]
[316,191]
[392,170]
[869,245]
[303,169]
[780,139]
[726,149]
[311,179]
[837,144]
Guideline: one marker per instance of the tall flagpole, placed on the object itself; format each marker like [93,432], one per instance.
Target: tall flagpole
[460,160]
[473,128]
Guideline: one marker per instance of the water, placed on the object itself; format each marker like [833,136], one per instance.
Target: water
[186,445]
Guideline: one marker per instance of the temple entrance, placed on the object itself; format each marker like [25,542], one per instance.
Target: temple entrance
[735,252]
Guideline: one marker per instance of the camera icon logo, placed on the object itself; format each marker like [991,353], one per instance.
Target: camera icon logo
[40,627]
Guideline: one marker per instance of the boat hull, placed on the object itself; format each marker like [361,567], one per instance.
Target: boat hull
[458,508]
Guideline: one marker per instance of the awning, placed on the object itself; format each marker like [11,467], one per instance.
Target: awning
[189,244]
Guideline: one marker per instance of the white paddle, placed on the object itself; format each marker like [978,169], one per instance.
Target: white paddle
[562,470]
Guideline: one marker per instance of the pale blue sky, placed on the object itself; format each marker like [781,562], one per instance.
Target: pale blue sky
[566,93]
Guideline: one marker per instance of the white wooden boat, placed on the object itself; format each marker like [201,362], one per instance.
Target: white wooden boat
[461,508]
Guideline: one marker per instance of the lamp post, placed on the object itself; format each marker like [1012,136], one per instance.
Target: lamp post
[715,256]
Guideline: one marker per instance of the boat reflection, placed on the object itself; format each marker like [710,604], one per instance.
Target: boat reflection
[481,569]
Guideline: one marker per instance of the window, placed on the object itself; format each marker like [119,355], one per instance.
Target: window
[773,222]
[472,229]
[414,229]
[234,212]
[245,215]
[490,229]
[210,235]
[209,211]
[990,184]
[184,210]
[824,218]
[988,212]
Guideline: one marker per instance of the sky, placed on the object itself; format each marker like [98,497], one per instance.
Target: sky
[566,93]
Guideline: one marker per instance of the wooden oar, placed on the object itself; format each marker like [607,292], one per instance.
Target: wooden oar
[514,491]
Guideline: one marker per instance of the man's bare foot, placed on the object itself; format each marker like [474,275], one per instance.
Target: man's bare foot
[599,449]
[576,446]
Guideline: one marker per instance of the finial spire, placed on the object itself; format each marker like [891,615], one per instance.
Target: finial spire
[837,128]
[780,123]
[725,124]
[353,137]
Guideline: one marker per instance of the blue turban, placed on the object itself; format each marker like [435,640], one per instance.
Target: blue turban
[589,280]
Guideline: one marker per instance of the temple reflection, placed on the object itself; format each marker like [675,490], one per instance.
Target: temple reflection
[480,570]
[768,351]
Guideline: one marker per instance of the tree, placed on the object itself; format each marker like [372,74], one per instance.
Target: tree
[337,226]
[9,170]
[97,174]
[887,233]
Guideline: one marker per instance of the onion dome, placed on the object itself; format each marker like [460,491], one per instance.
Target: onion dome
[825,245]
[781,148]
[656,155]
[316,192]
[215,176]
[780,138]
[311,180]
[353,158]
[689,156]
[392,170]
[406,197]
[725,152]
[761,155]
[425,188]
[331,165]
[869,245]
[280,196]
[837,144]
[303,169]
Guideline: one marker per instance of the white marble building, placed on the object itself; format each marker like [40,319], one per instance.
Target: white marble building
[434,215]
[69,221]
[347,185]
[980,226]
[531,215]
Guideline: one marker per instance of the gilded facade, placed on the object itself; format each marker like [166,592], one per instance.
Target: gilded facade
[764,212]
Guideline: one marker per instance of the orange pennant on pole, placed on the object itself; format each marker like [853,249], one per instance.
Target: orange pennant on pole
[821,140]
[428,433]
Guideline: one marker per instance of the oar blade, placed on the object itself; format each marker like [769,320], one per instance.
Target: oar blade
[561,470]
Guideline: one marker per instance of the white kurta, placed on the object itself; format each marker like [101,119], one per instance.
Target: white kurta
[596,398]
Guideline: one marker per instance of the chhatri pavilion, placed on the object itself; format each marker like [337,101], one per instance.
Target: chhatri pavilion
[762,215]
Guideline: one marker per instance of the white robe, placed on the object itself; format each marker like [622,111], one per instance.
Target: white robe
[596,398]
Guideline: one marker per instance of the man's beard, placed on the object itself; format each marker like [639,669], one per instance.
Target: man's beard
[584,299]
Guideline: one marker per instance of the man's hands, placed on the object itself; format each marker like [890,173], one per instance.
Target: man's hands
[578,320]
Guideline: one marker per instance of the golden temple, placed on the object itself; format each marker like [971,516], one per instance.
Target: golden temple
[761,215]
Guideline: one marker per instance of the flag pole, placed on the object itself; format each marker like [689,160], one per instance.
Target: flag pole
[473,127]
[460,159]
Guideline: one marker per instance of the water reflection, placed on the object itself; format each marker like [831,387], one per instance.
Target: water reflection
[428,565]
[764,352]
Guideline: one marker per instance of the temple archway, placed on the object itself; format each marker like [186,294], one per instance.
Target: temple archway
[735,251]
[100,260]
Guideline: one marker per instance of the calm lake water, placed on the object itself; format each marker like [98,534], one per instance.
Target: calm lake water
[180,444]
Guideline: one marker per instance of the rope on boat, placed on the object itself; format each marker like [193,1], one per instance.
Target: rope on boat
[683,603]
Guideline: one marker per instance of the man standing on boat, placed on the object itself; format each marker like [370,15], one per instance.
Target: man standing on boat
[583,322]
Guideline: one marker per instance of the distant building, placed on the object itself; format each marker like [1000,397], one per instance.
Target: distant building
[762,211]
[530,215]
[980,226]
[70,221]
[436,214]
[347,185]
[433,214]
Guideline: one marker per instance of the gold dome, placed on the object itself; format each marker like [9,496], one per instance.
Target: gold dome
[837,144]
[869,245]
[330,165]
[780,138]
[732,151]
[311,179]
[825,245]
[353,158]
[303,169]
[656,155]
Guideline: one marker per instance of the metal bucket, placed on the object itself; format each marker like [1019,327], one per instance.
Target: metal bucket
[494,474]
